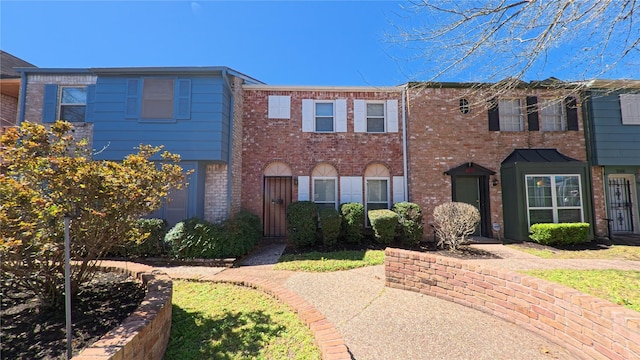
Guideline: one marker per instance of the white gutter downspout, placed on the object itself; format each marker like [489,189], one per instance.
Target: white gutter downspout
[404,145]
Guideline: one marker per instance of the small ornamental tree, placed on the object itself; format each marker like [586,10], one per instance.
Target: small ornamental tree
[44,175]
[455,221]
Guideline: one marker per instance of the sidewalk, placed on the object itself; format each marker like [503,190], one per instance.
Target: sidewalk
[383,323]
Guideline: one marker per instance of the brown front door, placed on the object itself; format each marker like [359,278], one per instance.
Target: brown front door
[277,197]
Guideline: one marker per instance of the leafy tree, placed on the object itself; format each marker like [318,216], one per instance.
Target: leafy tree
[44,175]
[513,39]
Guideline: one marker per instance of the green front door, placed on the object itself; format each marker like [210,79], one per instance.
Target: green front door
[467,190]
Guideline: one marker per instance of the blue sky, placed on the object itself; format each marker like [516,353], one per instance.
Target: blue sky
[286,42]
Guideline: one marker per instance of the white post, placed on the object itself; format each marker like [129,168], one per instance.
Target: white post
[67,285]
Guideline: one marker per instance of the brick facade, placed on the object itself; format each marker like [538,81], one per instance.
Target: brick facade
[440,137]
[8,110]
[236,150]
[215,193]
[599,202]
[35,91]
[269,140]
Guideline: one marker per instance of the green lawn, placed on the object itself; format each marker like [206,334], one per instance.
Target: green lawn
[615,252]
[331,261]
[221,321]
[618,286]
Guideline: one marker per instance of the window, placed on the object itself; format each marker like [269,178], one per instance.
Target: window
[375,117]
[465,108]
[279,107]
[73,103]
[324,116]
[325,179]
[157,98]
[630,109]
[376,188]
[554,199]
[510,112]
[552,115]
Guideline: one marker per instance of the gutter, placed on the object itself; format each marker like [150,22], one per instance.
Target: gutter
[23,94]
[404,145]
[225,76]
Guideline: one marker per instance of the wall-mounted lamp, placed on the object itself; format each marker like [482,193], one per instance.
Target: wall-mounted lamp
[495,182]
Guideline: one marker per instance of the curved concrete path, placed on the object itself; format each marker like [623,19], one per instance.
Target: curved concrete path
[384,323]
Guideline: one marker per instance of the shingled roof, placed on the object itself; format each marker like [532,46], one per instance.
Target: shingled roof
[8,62]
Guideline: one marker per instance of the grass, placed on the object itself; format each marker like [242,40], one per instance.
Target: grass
[614,252]
[330,261]
[618,286]
[221,321]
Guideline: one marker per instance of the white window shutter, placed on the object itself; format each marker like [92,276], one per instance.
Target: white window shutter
[341,115]
[279,107]
[359,116]
[307,116]
[392,116]
[351,189]
[398,189]
[630,108]
[303,188]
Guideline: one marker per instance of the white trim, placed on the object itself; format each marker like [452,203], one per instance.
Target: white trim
[303,188]
[366,192]
[391,114]
[324,88]
[279,107]
[315,116]
[359,116]
[630,109]
[351,189]
[308,118]
[61,104]
[340,115]
[398,189]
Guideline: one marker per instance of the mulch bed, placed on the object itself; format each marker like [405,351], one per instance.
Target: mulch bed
[29,331]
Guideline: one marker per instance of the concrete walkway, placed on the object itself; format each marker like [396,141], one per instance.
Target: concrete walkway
[383,323]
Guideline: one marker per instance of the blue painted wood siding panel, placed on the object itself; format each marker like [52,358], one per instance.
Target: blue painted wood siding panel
[202,135]
[616,144]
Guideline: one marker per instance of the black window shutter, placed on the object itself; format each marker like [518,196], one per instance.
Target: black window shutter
[572,113]
[494,117]
[532,113]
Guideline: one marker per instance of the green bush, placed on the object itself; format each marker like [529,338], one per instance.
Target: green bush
[195,238]
[331,221]
[352,221]
[560,234]
[302,223]
[149,245]
[410,221]
[384,223]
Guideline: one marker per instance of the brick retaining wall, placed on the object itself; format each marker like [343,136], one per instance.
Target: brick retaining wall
[587,326]
[145,333]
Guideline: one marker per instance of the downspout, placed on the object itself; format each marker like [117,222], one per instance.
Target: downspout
[404,145]
[23,94]
[230,150]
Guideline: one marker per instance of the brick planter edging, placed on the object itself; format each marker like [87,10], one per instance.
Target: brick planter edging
[587,326]
[145,333]
[328,339]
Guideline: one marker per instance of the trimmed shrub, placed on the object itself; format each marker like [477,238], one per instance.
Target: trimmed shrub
[195,238]
[455,221]
[384,223]
[302,223]
[560,234]
[152,245]
[352,221]
[410,221]
[331,221]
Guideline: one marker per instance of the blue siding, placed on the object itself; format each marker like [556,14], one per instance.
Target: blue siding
[201,134]
[615,144]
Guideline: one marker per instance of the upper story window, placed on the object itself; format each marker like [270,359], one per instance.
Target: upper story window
[552,115]
[375,117]
[511,118]
[630,109]
[324,115]
[547,115]
[73,103]
[157,98]
[465,108]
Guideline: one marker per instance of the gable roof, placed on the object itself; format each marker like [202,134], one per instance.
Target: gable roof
[537,156]
[7,64]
